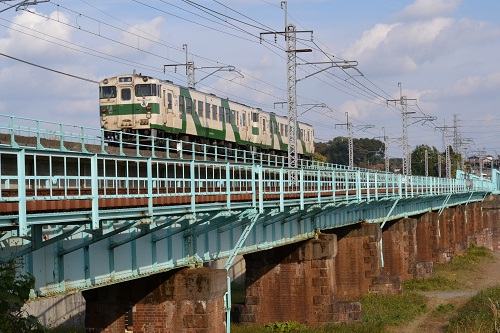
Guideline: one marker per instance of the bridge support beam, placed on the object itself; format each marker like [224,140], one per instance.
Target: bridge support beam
[399,242]
[295,283]
[491,217]
[186,300]
[358,261]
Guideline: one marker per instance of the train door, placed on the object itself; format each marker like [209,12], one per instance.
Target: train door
[126,105]
[168,98]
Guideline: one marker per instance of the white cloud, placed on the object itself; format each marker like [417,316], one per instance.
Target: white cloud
[29,32]
[150,30]
[429,8]
[474,85]
[404,47]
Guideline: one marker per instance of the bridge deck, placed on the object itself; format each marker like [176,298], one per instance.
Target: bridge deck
[83,214]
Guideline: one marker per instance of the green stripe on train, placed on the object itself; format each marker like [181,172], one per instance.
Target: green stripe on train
[129,109]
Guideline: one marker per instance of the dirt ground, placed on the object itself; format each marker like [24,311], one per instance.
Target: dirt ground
[486,275]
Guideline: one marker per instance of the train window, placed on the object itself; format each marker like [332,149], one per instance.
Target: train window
[200,109]
[214,112]
[308,136]
[158,90]
[286,130]
[181,106]
[221,114]
[255,116]
[169,97]
[243,119]
[281,128]
[229,116]
[189,105]
[142,90]
[207,110]
[263,125]
[107,92]
[126,94]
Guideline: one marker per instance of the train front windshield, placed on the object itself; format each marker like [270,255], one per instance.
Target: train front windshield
[142,90]
[107,92]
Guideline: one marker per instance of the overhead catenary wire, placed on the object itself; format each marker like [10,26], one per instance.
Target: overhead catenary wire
[372,96]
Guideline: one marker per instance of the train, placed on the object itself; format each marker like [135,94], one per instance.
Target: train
[151,107]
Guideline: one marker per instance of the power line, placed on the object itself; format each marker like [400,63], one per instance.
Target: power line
[49,69]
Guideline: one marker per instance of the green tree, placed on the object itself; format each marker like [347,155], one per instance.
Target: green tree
[319,157]
[418,161]
[366,151]
[14,292]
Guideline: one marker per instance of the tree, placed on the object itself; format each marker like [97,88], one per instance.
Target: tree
[418,161]
[14,292]
[319,157]
[366,151]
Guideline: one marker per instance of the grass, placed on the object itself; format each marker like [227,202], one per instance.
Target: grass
[379,312]
[467,262]
[450,276]
[431,284]
[479,314]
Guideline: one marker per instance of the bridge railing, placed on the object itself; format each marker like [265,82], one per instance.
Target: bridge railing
[55,176]
[23,132]
[28,177]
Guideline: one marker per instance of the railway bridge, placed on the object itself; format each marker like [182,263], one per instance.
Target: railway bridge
[139,228]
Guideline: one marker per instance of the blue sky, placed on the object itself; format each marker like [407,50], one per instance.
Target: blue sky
[444,53]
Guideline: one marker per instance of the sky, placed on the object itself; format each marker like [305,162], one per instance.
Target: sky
[440,54]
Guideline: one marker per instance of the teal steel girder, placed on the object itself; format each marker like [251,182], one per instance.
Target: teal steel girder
[98,246]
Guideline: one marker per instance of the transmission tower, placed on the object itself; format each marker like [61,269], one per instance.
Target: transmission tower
[386,149]
[351,137]
[403,101]
[446,147]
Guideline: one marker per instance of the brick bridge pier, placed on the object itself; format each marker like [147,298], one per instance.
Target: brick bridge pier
[309,282]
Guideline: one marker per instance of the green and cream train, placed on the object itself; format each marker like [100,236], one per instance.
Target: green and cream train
[152,107]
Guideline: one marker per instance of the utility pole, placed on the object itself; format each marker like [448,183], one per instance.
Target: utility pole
[386,149]
[446,149]
[439,165]
[403,101]
[386,155]
[21,4]
[459,142]
[426,163]
[351,137]
[190,69]
[290,34]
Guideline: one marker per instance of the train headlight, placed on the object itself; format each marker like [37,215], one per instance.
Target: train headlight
[148,114]
[103,111]
[105,81]
[148,108]
[145,79]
